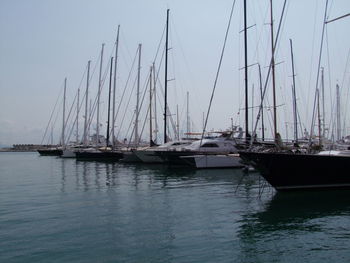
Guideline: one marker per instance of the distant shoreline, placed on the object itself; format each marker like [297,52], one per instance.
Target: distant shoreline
[14,150]
[25,147]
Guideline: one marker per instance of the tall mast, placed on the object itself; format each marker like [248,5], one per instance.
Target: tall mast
[64,112]
[109,101]
[273,72]
[86,106]
[166,76]
[115,84]
[77,118]
[137,99]
[262,106]
[246,71]
[98,99]
[295,112]
[155,103]
[150,107]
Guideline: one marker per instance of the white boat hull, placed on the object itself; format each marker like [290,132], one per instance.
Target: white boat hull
[215,161]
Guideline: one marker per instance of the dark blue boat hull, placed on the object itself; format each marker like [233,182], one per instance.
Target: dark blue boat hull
[289,171]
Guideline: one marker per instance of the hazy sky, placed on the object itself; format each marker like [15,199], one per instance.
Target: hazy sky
[44,41]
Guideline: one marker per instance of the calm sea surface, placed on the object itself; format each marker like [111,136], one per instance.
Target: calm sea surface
[62,210]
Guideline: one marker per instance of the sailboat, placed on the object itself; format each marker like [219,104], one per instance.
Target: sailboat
[103,153]
[297,168]
[57,151]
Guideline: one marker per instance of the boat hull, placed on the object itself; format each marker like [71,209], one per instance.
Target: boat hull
[130,157]
[175,157]
[50,152]
[289,171]
[68,154]
[214,161]
[148,156]
[99,156]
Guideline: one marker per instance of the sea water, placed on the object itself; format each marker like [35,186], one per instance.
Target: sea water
[63,210]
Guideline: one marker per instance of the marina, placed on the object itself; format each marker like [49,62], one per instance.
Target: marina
[177,132]
[54,209]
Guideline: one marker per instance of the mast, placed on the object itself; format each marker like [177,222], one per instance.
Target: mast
[246,72]
[90,116]
[338,113]
[115,85]
[252,111]
[273,72]
[137,99]
[319,117]
[166,77]
[318,72]
[86,106]
[155,103]
[98,98]
[262,107]
[188,116]
[177,122]
[323,105]
[150,106]
[64,112]
[51,135]
[109,101]
[294,96]
[77,118]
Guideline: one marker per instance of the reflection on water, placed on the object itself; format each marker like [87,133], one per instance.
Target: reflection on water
[84,211]
[292,210]
[311,218]
[98,175]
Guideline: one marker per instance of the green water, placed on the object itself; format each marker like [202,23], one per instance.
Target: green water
[61,210]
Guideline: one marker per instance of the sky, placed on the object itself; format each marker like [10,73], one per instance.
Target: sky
[45,41]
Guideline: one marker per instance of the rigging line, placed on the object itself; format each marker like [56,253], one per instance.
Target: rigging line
[162,93]
[159,45]
[182,53]
[311,60]
[318,73]
[268,74]
[52,113]
[93,107]
[67,119]
[127,106]
[70,111]
[218,70]
[133,130]
[335,19]
[330,82]
[347,93]
[100,88]
[145,85]
[56,117]
[148,109]
[145,91]
[126,46]
[126,85]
